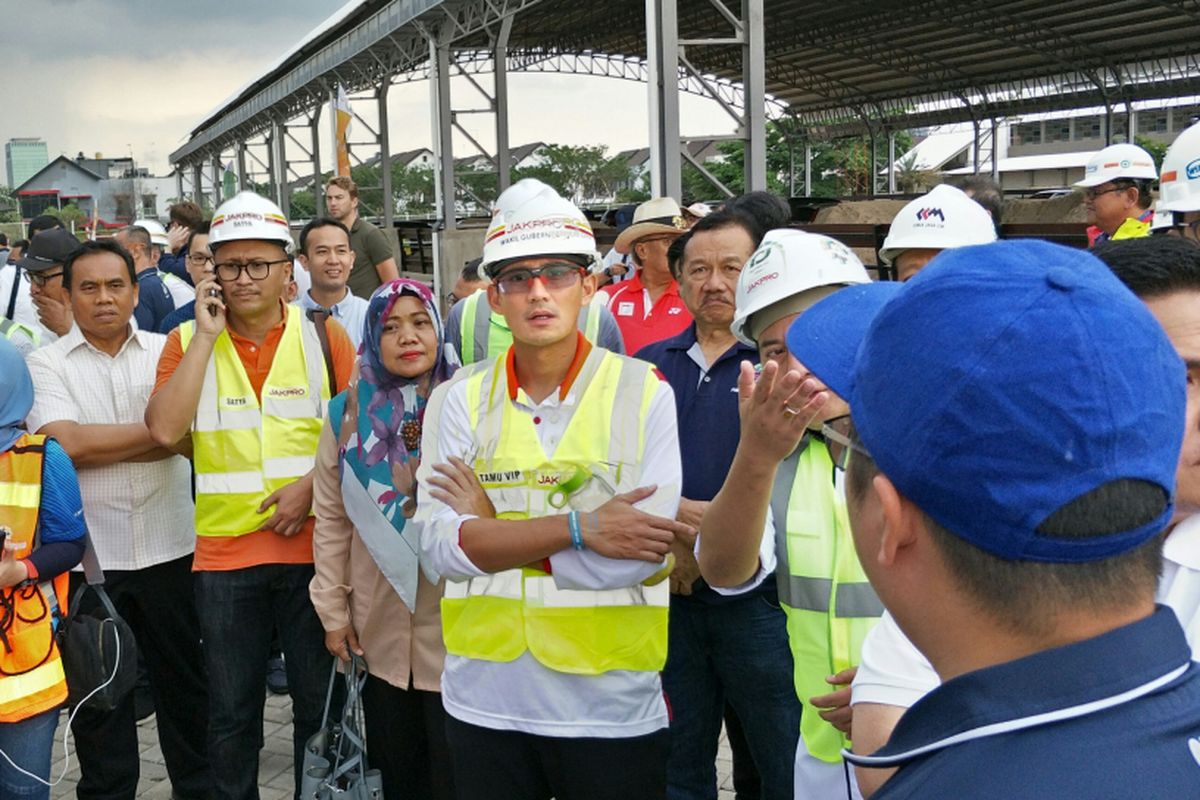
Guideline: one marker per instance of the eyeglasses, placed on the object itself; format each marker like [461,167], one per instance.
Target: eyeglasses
[840,439]
[40,279]
[230,271]
[553,276]
[199,260]
[1092,193]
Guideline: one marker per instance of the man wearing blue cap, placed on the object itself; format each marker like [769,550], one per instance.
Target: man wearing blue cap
[1007,486]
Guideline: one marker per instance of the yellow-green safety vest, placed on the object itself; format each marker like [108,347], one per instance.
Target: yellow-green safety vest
[824,592]
[10,329]
[499,617]
[484,334]
[1131,228]
[243,449]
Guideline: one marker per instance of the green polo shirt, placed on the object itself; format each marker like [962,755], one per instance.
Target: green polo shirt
[370,246]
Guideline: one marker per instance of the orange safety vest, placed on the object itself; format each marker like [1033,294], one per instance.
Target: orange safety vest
[31,671]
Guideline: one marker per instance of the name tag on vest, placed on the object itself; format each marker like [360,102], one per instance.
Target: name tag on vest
[624,309]
[237,402]
[287,392]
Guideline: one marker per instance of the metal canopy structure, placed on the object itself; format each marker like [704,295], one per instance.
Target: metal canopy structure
[830,69]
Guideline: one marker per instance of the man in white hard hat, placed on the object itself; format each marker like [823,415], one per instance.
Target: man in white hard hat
[939,220]
[782,487]
[1116,187]
[245,387]
[1178,209]
[555,610]
[648,307]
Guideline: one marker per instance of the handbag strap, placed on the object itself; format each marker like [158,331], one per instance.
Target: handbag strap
[93,579]
[352,723]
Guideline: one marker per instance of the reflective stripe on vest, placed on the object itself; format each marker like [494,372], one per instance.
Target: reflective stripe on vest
[498,617]
[830,606]
[31,673]
[484,334]
[10,329]
[245,449]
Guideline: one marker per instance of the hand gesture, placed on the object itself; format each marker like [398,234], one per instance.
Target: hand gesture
[210,308]
[292,505]
[835,706]
[177,237]
[54,314]
[618,530]
[777,409]
[456,485]
[12,571]
[342,642]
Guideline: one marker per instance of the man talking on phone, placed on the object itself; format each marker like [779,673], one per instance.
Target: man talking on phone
[245,387]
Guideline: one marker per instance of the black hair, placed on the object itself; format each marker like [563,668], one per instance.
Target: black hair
[765,211]
[1152,266]
[93,247]
[725,218]
[201,229]
[43,222]
[21,243]
[470,271]
[319,222]
[1025,596]
[987,193]
[3,240]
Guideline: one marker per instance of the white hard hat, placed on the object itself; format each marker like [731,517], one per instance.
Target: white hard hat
[1179,189]
[158,234]
[789,263]
[531,220]
[1161,220]
[1118,161]
[247,215]
[942,219]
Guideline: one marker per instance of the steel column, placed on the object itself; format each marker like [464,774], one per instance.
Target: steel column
[385,156]
[279,166]
[754,80]
[197,184]
[808,181]
[318,188]
[874,168]
[239,153]
[500,105]
[996,150]
[891,162]
[178,183]
[216,179]
[662,59]
[443,142]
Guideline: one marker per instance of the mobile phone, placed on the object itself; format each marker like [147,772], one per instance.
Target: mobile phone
[4,532]
[214,292]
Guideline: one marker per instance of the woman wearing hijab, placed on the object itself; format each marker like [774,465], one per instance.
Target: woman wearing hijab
[41,516]
[368,590]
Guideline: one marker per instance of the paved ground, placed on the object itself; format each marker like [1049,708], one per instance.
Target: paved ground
[274,765]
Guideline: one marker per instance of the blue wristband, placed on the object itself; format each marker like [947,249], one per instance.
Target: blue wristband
[576,531]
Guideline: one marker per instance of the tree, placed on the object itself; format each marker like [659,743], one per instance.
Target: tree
[1157,150]
[578,172]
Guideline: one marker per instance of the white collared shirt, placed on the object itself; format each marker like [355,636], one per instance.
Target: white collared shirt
[350,311]
[138,514]
[523,695]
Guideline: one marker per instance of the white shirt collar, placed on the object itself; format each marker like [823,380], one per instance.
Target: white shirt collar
[338,309]
[1182,545]
[75,338]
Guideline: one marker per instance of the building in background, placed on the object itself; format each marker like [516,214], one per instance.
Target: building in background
[23,157]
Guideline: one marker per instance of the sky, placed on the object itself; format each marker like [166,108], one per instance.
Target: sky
[130,77]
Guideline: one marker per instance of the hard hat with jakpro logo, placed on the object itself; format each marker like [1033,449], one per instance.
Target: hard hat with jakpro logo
[784,271]
[942,219]
[247,215]
[1118,161]
[1179,189]
[158,234]
[531,220]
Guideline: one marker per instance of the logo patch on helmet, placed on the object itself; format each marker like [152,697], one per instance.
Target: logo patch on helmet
[1193,170]
[929,213]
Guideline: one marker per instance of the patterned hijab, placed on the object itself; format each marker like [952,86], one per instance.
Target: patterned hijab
[380,414]
[16,395]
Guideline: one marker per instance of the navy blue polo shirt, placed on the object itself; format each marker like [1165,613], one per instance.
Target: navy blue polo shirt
[706,404]
[1116,716]
[154,301]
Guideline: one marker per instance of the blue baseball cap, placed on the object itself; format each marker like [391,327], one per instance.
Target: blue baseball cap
[1001,383]
[830,331]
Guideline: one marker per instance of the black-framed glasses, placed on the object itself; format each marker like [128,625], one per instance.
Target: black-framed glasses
[553,276]
[1092,192]
[40,279]
[199,259]
[230,271]
[841,440]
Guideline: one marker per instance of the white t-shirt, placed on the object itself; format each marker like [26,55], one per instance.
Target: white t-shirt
[24,312]
[523,695]
[893,672]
